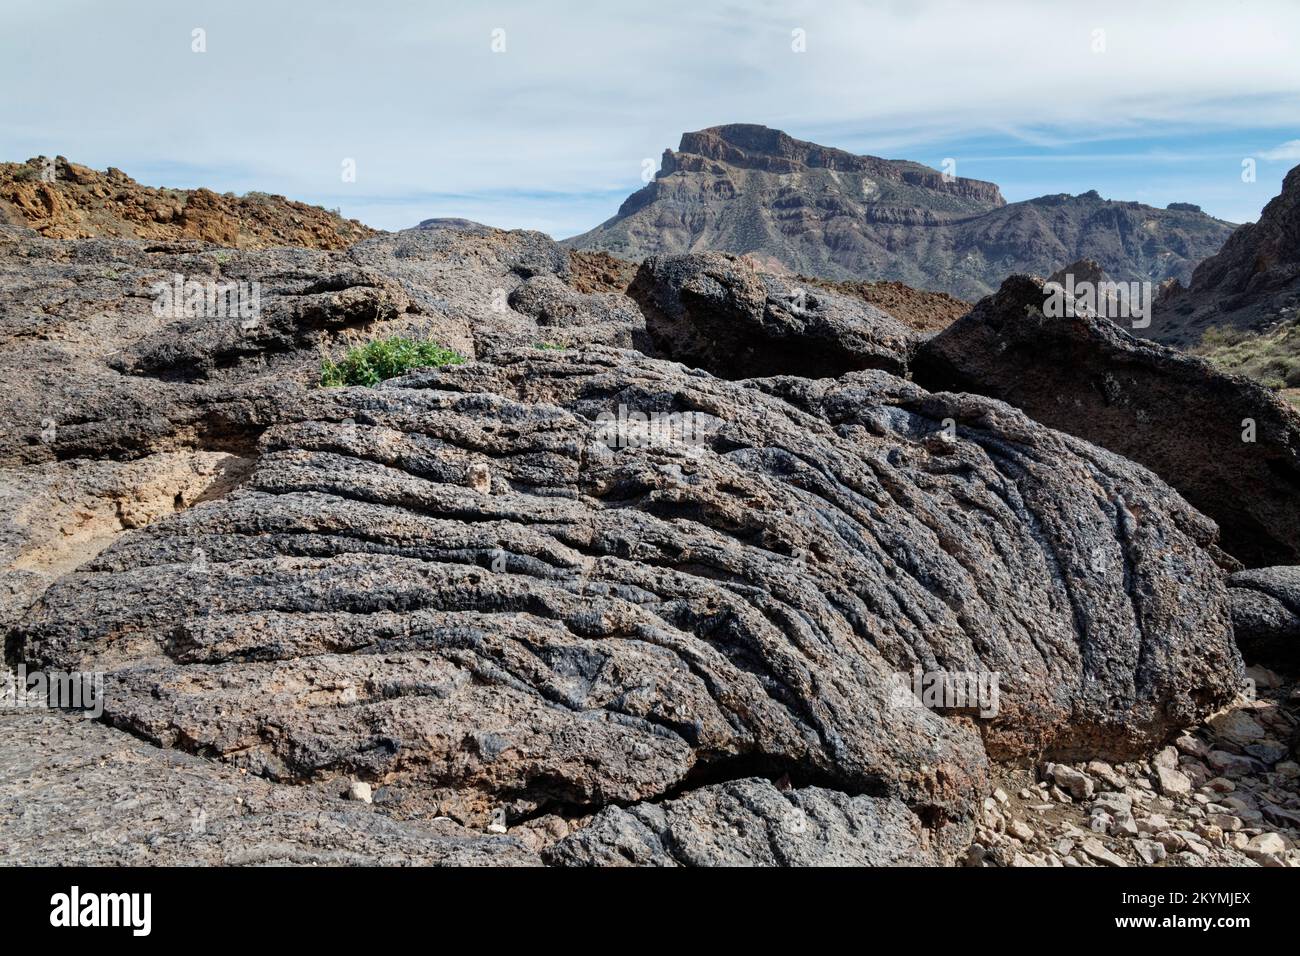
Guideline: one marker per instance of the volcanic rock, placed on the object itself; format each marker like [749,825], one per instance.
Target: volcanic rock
[685,594]
[1250,284]
[118,410]
[718,312]
[1226,444]
[622,622]
[77,793]
[1266,615]
[751,823]
[62,200]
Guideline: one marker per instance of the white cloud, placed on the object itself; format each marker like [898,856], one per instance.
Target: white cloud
[1289,150]
[584,92]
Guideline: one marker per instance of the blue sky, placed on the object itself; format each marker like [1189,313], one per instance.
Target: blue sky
[1157,102]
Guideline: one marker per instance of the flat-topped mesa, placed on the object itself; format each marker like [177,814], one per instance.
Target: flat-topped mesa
[750,146]
[825,213]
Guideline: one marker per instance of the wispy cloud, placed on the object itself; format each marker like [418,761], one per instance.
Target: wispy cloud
[1287,151]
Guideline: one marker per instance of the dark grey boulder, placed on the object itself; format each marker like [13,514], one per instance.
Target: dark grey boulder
[1171,412]
[1266,615]
[715,311]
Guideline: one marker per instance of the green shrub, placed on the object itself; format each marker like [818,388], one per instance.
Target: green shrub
[1271,358]
[1216,337]
[382,359]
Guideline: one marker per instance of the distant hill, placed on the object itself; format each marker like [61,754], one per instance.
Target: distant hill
[63,200]
[825,212]
[453,223]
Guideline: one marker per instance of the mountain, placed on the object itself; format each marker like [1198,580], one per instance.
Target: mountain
[63,200]
[835,215]
[1251,285]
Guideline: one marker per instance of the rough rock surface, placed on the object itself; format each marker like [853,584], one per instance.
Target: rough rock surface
[919,310]
[566,317]
[718,312]
[824,212]
[574,595]
[1266,615]
[751,823]
[600,272]
[1252,283]
[58,515]
[1171,412]
[104,372]
[62,200]
[77,793]
[114,412]
[619,625]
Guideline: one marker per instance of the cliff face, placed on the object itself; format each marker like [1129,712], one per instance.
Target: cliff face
[831,214]
[1251,285]
[63,200]
[746,146]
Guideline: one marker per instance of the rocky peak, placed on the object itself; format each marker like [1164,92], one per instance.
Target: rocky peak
[1252,284]
[750,146]
[1259,256]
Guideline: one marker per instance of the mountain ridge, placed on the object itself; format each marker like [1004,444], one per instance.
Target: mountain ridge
[828,213]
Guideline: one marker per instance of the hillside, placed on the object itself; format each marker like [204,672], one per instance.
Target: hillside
[63,200]
[1251,285]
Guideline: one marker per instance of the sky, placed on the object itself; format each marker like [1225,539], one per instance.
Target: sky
[543,114]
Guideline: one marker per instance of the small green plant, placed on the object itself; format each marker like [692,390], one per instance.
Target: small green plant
[550,347]
[381,359]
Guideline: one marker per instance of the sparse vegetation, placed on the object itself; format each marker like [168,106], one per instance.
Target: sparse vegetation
[1271,358]
[381,359]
